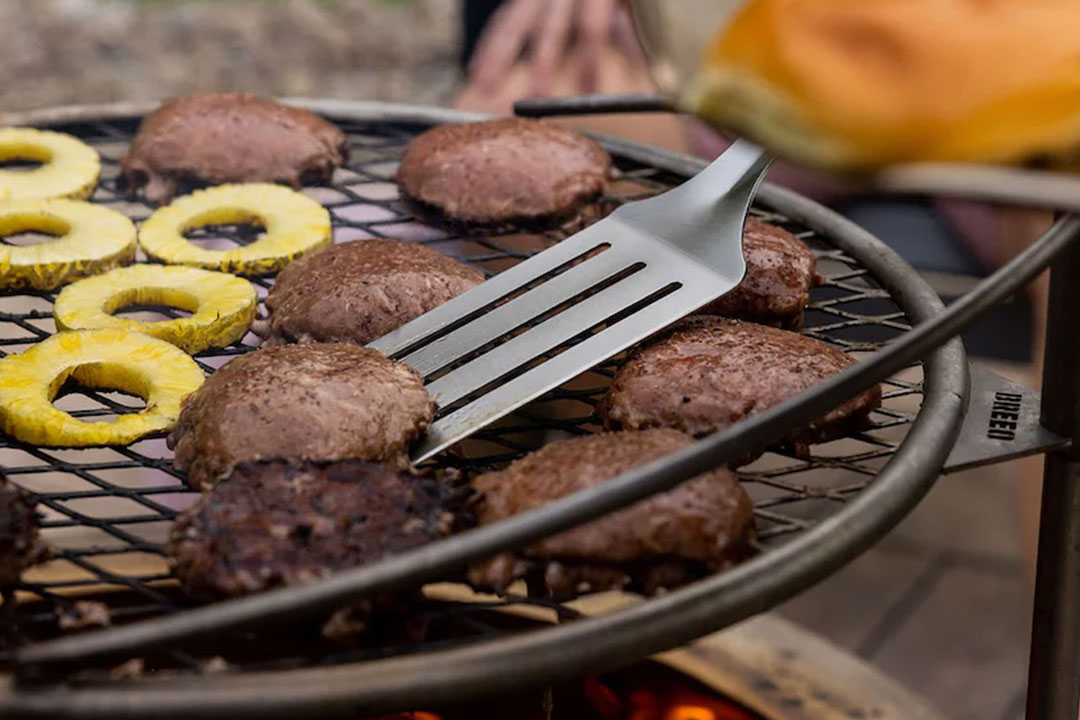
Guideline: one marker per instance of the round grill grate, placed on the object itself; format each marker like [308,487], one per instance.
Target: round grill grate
[107,511]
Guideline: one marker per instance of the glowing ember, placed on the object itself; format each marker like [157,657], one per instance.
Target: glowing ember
[643,692]
[668,696]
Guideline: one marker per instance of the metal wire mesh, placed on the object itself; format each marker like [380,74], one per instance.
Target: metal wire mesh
[107,511]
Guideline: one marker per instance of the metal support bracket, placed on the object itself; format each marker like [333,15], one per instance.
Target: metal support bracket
[1002,423]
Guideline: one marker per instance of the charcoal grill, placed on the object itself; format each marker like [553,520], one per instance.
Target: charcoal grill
[108,509]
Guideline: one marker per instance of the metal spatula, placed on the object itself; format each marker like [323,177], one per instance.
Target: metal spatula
[572,306]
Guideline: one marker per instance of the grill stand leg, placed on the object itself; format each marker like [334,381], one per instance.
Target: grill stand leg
[1054,671]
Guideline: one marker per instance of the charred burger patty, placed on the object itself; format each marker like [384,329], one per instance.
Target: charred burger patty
[318,401]
[215,138]
[779,274]
[701,526]
[506,170]
[359,291]
[707,373]
[20,545]
[278,523]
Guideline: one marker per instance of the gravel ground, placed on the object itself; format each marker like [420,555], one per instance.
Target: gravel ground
[55,52]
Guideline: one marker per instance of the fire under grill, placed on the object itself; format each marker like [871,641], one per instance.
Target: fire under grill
[107,511]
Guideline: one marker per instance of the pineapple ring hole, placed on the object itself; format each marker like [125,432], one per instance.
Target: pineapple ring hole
[224,228]
[23,157]
[98,376]
[20,165]
[31,228]
[149,300]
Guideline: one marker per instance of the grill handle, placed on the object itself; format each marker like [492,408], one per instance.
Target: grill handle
[597,104]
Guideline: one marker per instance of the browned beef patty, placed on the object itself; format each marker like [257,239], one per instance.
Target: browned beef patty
[20,545]
[708,373]
[278,523]
[505,170]
[231,137]
[359,291]
[779,274]
[318,401]
[669,539]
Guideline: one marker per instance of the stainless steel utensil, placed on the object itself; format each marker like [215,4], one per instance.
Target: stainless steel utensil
[568,308]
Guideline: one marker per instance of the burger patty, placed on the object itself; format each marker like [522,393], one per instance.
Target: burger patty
[506,170]
[318,401]
[359,291]
[20,544]
[708,373]
[231,138]
[701,526]
[278,523]
[779,274]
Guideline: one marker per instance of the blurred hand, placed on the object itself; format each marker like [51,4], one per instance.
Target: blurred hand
[546,28]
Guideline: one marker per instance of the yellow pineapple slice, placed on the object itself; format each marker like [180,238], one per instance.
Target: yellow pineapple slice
[90,239]
[157,371]
[69,167]
[222,306]
[294,224]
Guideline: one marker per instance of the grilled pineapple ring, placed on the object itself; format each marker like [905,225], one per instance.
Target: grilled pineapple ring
[91,239]
[221,306]
[69,167]
[160,373]
[294,224]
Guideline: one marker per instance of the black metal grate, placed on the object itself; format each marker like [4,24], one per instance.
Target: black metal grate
[107,511]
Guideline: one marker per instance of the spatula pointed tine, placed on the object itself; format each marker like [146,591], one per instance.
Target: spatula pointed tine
[505,283]
[533,383]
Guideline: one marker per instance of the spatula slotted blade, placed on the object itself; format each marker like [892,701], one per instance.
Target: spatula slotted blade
[546,320]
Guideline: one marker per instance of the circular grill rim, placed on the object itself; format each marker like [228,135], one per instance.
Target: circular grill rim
[448,675]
